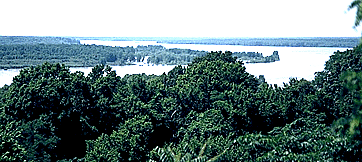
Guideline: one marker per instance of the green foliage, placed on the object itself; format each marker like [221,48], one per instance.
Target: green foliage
[226,57]
[26,55]
[70,102]
[301,140]
[357,4]
[210,122]
[186,151]
[252,57]
[3,90]
[331,86]
[161,55]
[10,147]
[211,110]
[352,124]
[128,143]
[207,78]
[40,140]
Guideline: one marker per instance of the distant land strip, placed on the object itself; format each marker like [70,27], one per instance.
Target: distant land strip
[343,42]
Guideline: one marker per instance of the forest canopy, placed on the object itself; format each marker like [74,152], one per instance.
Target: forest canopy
[210,110]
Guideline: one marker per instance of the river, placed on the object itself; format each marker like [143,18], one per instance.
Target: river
[298,62]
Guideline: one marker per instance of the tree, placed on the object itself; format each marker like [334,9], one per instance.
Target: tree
[76,108]
[111,57]
[10,147]
[330,86]
[353,123]
[129,143]
[358,5]
[187,153]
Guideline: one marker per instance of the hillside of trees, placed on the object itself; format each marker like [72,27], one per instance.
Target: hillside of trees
[211,110]
[10,40]
[76,55]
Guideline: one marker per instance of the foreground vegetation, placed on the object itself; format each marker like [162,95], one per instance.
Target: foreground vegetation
[212,110]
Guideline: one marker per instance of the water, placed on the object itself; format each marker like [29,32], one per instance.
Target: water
[7,76]
[298,62]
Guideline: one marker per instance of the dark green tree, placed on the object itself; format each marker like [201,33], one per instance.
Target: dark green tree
[128,143]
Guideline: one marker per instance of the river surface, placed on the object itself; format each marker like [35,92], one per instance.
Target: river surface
[298,62]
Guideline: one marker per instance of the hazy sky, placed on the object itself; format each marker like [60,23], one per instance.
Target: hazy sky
[178,18]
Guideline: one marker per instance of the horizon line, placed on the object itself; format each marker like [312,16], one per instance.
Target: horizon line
[167,37]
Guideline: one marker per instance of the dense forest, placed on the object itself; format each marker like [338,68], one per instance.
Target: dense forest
[345,42]
[75,55]
[212,110]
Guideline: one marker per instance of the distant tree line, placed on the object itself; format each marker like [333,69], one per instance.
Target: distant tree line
[346,42]
[10,40]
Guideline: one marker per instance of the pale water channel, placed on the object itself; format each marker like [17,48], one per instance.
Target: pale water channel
[299,62]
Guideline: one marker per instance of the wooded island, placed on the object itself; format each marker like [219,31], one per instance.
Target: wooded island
[26,53]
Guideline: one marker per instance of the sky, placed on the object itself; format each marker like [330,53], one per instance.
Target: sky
[178,18]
